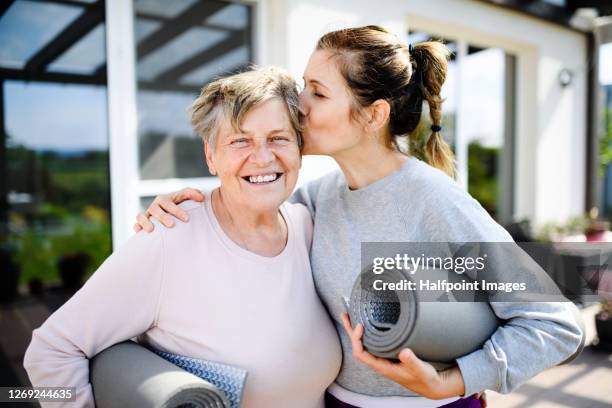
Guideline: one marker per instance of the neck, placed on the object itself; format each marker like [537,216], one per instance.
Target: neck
[364,164]
[261,232]
[246,218]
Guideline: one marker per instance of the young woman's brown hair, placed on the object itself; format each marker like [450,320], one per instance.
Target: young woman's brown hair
[377,65]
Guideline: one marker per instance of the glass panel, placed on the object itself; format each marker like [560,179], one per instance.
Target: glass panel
[192,41]
[483,124]
[43,21]
[85,57]
[482,121]
[144,28]
[168,147]
[560,3]
[215,40]
[605,141]
[230,62]
[235,17]
[54,175]
[162,8]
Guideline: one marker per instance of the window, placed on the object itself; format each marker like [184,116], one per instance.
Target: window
[478,121]
[181,47]
[55,190]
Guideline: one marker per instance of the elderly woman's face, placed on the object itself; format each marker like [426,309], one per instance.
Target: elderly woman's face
[259,166]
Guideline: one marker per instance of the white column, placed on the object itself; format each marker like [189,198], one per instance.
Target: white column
[461,138]
[123,136]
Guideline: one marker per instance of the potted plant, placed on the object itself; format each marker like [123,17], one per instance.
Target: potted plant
[72,269]
[9,279]
[36,260]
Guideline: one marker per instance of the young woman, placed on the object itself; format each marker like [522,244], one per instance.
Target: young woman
[363,95]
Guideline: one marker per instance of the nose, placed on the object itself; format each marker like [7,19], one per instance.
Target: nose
[302,106]
[262,155]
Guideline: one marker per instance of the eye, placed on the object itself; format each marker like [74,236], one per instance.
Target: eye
[318,94]
[241,142]
[280,139]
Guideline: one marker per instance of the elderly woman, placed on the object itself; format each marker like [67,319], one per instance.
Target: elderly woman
[234,285]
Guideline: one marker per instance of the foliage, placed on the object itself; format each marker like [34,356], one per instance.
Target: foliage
[605,145]
[40,248]
[553,231]
[482,175]
[66,212]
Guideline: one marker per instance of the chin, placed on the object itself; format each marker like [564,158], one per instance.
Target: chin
[310,149]
[266,205]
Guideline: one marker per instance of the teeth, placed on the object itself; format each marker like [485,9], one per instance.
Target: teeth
[262,179]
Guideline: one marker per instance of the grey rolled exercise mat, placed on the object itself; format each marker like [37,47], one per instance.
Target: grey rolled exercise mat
[129,375]
[438,332]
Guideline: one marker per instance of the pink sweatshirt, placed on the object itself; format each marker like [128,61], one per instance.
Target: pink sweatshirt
[192,291]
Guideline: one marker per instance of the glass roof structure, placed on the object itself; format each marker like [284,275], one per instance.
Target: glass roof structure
[180,44]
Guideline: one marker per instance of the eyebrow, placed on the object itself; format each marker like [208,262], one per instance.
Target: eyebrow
[270,133]
[275,131]
[316,82]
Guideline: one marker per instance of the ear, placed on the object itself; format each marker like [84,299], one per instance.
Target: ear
[378,115]
[209,159]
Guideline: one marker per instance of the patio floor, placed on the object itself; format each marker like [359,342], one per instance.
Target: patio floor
[584,383]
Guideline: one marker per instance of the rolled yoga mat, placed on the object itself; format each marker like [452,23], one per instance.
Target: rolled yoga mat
[437,331]
[129,375]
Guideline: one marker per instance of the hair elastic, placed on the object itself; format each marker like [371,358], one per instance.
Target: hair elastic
[436,128]
[410,49]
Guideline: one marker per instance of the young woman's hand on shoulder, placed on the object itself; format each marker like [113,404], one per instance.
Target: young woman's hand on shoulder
[165,205]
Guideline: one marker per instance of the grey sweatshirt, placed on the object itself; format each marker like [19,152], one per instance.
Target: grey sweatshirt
[419,203]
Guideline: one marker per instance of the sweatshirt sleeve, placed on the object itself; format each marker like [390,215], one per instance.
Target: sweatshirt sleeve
[535,336]
[305,195]
[119,301]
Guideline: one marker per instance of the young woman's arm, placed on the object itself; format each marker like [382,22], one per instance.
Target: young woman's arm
[536,335]
[118,302]
[166,205]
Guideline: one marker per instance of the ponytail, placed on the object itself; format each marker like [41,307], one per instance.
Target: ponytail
[431,65]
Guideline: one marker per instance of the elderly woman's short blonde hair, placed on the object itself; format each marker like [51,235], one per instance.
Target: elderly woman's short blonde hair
[232,97]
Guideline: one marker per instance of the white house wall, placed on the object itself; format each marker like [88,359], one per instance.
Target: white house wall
[550,140]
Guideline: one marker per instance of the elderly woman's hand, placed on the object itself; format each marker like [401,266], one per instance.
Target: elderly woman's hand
[411,372]
[165,205]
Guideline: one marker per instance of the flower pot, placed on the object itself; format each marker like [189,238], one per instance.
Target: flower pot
[603,324]
[36,287]
[9,277]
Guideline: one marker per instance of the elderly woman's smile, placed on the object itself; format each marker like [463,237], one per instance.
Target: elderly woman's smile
[263,178]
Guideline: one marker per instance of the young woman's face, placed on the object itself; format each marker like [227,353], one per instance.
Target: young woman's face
[325,104]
